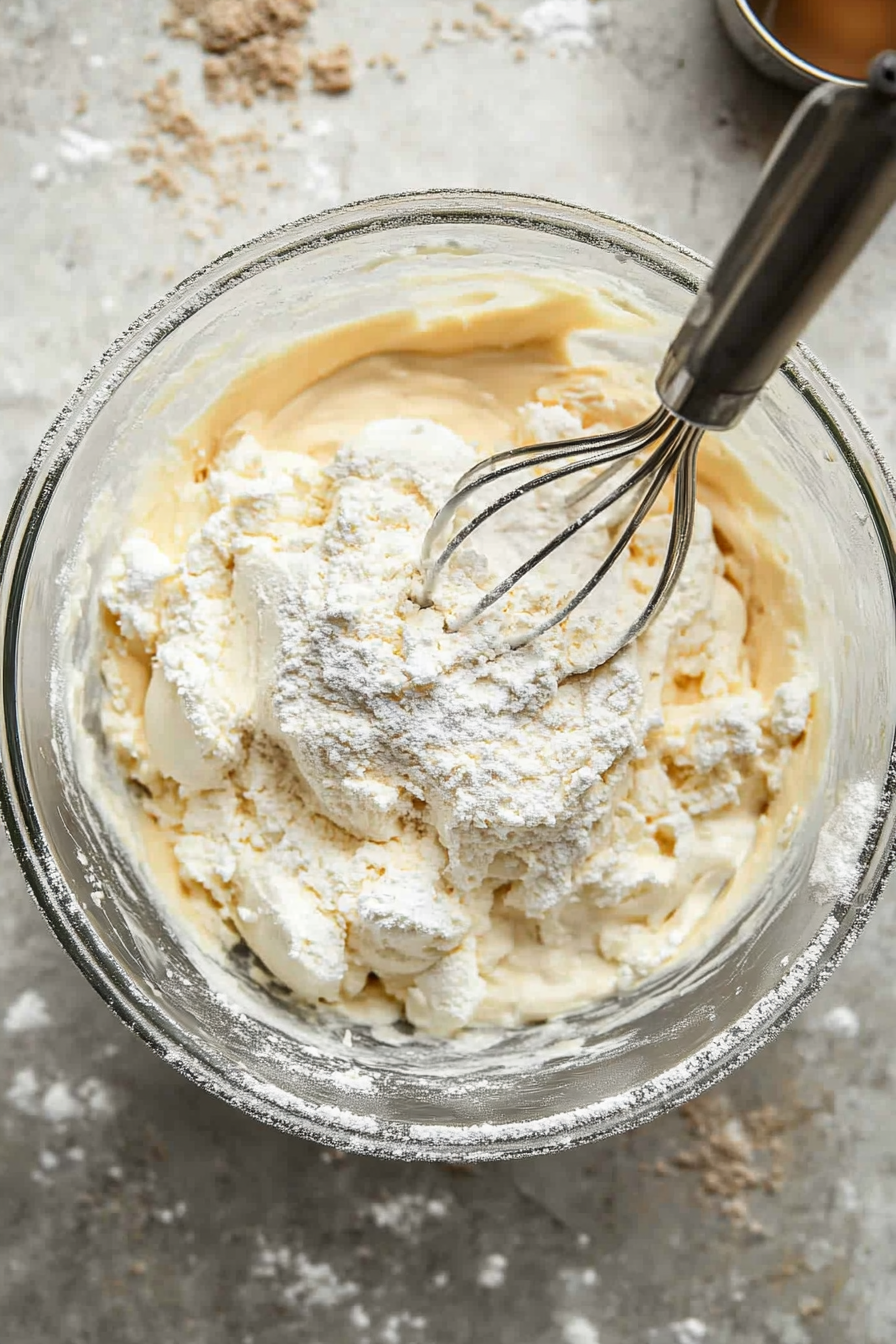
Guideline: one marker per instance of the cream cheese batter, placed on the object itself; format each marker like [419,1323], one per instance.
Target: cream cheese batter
[389,813]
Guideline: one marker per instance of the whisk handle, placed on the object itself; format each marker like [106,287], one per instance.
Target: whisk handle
[828,184]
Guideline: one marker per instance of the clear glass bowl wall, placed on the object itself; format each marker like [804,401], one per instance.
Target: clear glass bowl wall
[521,1091]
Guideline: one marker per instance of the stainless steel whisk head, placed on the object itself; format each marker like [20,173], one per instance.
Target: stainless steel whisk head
[828,183]
[671,445]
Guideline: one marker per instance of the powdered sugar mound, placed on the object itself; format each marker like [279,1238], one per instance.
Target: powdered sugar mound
[566,24]
[547,423]
[790,709]
[131,586]
[834,874]
[448,994]
[28,1012]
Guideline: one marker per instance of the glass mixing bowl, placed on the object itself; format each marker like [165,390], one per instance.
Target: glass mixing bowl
[487,1095]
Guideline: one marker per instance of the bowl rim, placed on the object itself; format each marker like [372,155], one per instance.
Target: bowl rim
[791,63]
[354,1132]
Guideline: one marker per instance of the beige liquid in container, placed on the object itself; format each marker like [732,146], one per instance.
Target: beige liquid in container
[841,36]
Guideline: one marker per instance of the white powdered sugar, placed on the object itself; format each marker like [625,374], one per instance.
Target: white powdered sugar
[59,1102]
[566,24]
[492,1271]
[578,1330]
[405,1214]
[689,1331]
[842,1022]
[28,1012]
[131,589]
[834,874]
[490,833]
[303,1282]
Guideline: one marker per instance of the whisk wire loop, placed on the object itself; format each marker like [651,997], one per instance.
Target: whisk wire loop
[673,444]
[596,451]
[681,455]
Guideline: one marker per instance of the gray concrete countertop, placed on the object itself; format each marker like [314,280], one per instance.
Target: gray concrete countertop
[134,1208]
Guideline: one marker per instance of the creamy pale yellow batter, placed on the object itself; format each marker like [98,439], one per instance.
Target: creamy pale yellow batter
[392,814]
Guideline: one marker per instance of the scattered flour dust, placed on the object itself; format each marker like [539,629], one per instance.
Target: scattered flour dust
[841,1022]
[492,1271]
[566,24]
[28,1012]
[579,1330]
[575,1279]
[167,1216]
[303,1282]
[77,147]
[359,1317]
[690,1331]
[395,1328]
[405,1214]
[59,1102]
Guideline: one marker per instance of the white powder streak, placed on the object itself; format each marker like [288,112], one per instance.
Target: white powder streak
[835,870]
[566,24]
[59,1103]
[28,1012]
[492,1271]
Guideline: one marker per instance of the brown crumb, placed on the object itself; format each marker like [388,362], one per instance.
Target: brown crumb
[811,1306]
[250,44]
[491,14]
[735,1154]
[332,70]
[81,104]
[788,1269]
[265,64]
[161,182]
[224,25]
[169,117]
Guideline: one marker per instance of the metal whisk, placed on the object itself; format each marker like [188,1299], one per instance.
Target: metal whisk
[829,182]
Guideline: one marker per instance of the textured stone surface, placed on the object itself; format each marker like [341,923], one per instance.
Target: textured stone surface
[132,1207]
